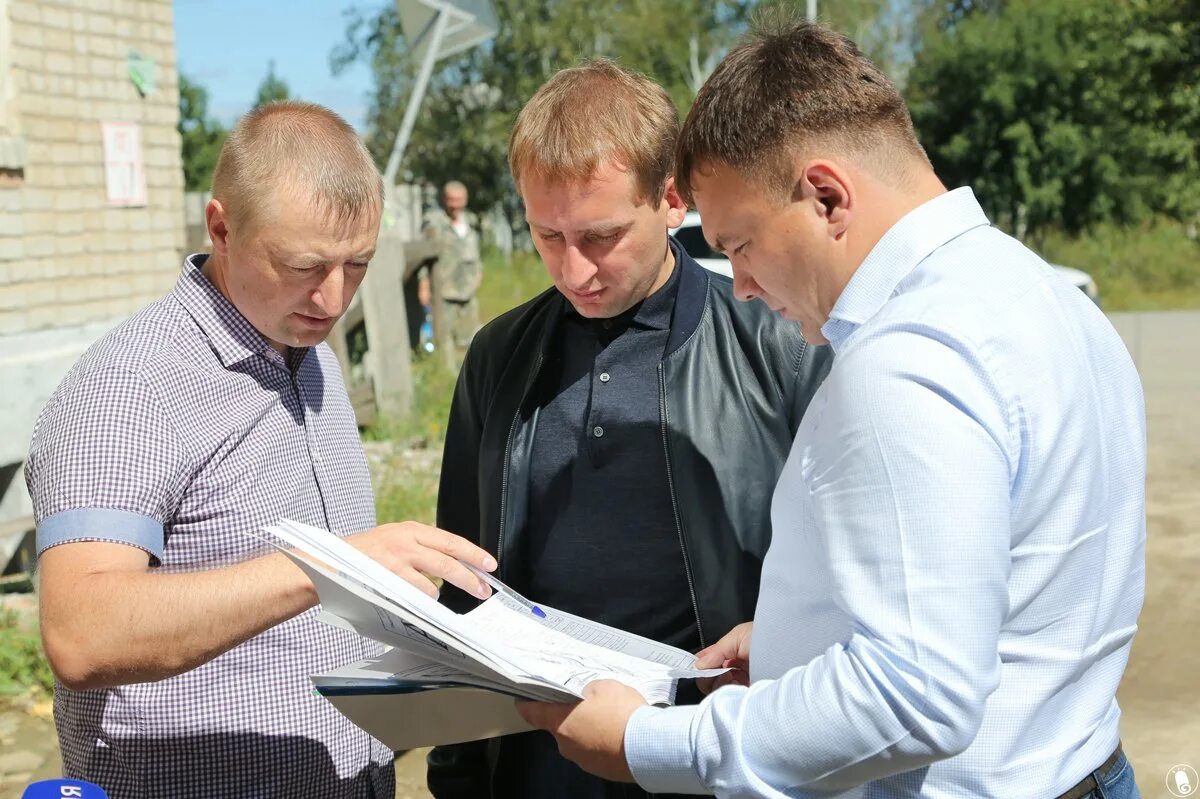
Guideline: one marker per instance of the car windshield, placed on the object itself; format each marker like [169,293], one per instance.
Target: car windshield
[692,239]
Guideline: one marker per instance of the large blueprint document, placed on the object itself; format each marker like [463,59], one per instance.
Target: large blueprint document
[451,677]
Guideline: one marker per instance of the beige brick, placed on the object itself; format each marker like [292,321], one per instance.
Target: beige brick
[64,268]
[55,17]
[33,82]
[12,249]
[27,58]
[37,153]
[42,293]
[101,24]
[39,199]
[69,246]
[47,317]
[12,200]
[12,224]
[70,202]
[33,36]
[13,297]
[39,246]
[64,130]
[116,241]
[61,106]
[27,270]
[55,39]
[12,322]
[70,226]
[63,154]
[26,12]
[61,62]
[75,291]
[39,222]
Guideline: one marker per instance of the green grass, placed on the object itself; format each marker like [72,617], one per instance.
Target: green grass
[405,493]
[1146,268]
[23,666]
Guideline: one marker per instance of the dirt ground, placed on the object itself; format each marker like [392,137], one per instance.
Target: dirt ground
[1160,695]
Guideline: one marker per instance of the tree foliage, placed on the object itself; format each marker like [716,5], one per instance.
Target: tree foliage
[1065,113]
[272,88]
[473,98]
[201,136]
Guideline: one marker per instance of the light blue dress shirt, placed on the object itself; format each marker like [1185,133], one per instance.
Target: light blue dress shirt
[957,562]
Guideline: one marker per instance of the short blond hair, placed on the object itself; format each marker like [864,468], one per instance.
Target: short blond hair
[299,145]
[592,114]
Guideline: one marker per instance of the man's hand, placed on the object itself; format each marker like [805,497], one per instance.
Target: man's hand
[413,550]
[590,733]
[731,652]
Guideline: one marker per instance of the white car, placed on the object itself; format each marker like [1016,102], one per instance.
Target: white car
[691,237]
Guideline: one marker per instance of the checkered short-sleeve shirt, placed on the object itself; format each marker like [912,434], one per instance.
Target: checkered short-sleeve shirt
[176,433]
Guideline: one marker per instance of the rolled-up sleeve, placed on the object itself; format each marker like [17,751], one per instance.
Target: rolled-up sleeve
[906,475]
[105,463]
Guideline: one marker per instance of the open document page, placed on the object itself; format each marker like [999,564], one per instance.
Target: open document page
[507,645]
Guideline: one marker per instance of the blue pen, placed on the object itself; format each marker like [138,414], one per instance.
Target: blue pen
[504,589]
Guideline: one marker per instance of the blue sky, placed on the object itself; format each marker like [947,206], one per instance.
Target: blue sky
[226,45]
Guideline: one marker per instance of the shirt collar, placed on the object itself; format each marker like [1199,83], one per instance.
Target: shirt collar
[654,312]
[908,242]
[229,333]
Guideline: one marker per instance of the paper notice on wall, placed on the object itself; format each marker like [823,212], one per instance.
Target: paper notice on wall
[124,169]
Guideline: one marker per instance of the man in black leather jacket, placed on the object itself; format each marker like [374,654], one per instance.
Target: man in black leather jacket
[615,440]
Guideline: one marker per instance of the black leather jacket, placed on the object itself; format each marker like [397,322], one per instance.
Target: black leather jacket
[734,382]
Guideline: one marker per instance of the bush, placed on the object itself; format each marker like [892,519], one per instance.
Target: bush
[1148,267]
[23,666]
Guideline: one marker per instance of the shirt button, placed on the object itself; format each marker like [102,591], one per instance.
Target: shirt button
[598,431]
[604,377]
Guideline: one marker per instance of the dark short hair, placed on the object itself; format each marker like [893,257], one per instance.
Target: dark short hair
[787,84]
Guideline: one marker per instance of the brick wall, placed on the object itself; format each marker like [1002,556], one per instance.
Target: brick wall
[71,264]
[66,256]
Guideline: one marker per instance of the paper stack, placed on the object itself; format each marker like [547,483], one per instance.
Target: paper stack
[451,677]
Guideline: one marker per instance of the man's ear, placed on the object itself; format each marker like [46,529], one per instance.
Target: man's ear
[217,221]
[830,191]
[676,207]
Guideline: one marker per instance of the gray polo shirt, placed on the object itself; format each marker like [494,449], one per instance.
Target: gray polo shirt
[176,433]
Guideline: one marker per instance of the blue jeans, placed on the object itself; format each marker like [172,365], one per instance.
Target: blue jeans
[1116,783]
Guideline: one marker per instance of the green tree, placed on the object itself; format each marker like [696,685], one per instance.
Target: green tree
[1065,113]
[473,98]
[272,88]
[201,136]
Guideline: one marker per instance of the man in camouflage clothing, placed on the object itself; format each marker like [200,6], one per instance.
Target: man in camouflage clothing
[459,270]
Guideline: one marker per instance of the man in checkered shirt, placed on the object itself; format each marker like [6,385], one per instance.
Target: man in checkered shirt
[181,645]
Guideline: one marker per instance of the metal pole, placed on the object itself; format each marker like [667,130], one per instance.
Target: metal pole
[414,102]
[812,11]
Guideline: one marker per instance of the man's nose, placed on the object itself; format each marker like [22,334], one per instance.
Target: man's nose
[328,296]
[744,287]
[578,271]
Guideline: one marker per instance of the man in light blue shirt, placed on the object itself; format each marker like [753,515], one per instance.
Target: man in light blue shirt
[957,562]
